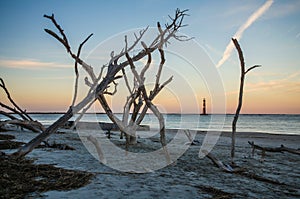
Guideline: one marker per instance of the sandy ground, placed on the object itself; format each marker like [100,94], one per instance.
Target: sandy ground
[187,177]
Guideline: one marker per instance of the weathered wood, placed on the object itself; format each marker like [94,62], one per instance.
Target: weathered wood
[99,84]
[218,163]
[280,149]
[30,125]
[8,115]
[17,109]
[241,90]
[103,125]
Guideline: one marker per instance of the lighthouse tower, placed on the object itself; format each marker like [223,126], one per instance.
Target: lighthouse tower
[204,108]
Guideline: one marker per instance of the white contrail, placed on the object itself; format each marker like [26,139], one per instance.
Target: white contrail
[260,11]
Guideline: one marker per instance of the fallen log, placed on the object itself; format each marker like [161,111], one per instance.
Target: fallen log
[280,149]
[220,164]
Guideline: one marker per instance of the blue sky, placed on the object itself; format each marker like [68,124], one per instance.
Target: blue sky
[40,74]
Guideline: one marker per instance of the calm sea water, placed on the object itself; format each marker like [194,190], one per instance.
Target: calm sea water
[275,124]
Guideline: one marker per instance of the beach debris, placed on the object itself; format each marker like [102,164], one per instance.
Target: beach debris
[59,146]
[20,177]
[240,171]
[280,149]
[220,164]
[24,121]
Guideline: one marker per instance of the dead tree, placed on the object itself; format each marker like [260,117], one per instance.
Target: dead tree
[240,103]
[139,100]
[108,75]
[23,120]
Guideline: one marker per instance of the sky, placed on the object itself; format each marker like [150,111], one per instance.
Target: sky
[40,75]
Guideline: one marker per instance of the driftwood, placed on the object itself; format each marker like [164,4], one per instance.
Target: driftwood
[240,103]
[25,121]
[240,171]
[109,73]
[280,149]
[220,164]
[30,125]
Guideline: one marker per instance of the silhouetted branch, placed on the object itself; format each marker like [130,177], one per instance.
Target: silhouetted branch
[19,111]
[62,40]
[10,116]
[76,69]
[251,68]
[66,44]
[240,103]
[99,85]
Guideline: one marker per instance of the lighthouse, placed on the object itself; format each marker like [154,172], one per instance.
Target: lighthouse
[204,107]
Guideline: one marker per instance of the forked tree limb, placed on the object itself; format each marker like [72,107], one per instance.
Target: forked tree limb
[13,110]
[240,98]
[76,69]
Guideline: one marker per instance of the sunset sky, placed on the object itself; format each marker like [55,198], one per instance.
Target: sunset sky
[40,74]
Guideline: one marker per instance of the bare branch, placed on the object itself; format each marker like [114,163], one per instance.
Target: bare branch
[166,82]
[66,44]
[76,70]
[22,113]
[126,81]
[114,91]
[128,49]
[146,67]
[10,116]
[64,39]
[251,68]
[27,124]
[82,113]
[240,53]
[161,64]
[13,110]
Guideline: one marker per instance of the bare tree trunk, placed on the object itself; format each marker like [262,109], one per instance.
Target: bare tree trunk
[240,103]
[27,148]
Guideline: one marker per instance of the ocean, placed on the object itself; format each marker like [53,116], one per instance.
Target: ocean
[265,123]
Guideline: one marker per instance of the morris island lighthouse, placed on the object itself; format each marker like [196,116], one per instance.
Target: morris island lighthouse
[203,108]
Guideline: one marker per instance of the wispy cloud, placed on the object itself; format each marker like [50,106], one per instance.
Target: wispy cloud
[238,35]
[289,83]
[30,64]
